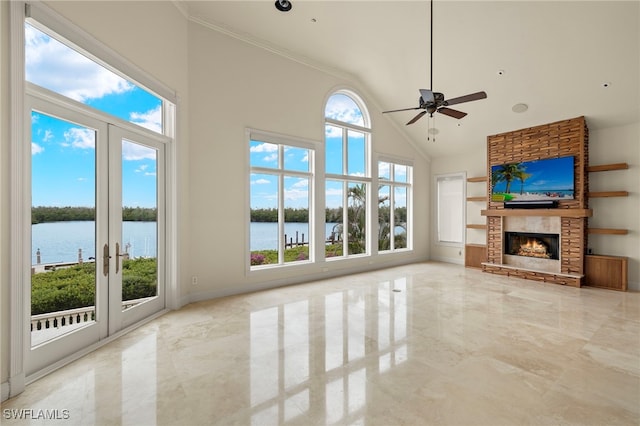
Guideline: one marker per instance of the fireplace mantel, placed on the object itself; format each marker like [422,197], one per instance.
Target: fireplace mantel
[538,212]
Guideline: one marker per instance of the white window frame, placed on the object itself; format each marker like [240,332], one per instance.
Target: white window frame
[392,183]
[281,141]
[20,244]
[345,178]
[458,201]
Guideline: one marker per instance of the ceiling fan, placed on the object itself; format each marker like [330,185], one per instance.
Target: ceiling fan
[431,101]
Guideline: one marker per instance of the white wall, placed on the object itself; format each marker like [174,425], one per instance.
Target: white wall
[4,193]
[606,146]
[617,145]
[234,86]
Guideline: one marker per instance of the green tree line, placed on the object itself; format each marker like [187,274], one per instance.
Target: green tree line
[42,214]
[332,215]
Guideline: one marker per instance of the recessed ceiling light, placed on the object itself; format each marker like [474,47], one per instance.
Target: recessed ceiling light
[283,5]
[501,72]
[519,108]
[606,84]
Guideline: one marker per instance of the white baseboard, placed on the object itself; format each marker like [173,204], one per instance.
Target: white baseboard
[4,393]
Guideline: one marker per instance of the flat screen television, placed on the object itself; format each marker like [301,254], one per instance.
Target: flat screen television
[547,179]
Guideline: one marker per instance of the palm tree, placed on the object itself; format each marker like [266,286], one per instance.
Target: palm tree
[508,172]
[522,176]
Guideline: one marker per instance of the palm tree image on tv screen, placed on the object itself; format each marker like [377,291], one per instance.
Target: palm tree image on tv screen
[547,179]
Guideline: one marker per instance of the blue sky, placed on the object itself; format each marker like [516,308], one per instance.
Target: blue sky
[553,174]
[63,153]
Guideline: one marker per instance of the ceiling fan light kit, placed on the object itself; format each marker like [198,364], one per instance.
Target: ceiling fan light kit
[431,101]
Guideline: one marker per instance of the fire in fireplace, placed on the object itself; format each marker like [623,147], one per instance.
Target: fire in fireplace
[541,246]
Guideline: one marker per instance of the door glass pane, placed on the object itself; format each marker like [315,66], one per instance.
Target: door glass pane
[139,224]
[63,230]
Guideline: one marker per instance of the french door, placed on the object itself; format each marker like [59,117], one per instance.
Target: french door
[97,233]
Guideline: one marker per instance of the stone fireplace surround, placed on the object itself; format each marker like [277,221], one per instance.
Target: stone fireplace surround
[534,225]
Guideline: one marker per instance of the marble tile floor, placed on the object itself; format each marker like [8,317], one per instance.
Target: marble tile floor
[422,344]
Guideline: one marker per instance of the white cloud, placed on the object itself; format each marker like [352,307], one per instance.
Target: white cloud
[271,158]
[296,194]
[36,149]
[151,119]
[80,138]
[302,183]
[264,147]
[132,152]
[343,108]
[260,182]
[53,65]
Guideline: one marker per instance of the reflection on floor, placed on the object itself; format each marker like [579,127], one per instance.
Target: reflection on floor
[422,344]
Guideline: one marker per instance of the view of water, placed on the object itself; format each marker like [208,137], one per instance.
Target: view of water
[264,235]
[60,241]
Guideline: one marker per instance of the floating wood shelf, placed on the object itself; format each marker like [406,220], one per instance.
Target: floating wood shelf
[608,194]
[607,167]
[477,179]
[476,198]
[476,226]
[538,212]
[608,231]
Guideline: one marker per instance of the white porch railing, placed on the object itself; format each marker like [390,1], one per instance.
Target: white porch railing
[69,317]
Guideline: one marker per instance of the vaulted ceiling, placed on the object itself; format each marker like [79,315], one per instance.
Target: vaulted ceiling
[562,59]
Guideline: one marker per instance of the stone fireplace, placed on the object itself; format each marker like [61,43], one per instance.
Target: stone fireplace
[566,222]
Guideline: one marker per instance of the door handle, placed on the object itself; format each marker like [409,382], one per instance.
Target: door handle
[118,256]
[105,260]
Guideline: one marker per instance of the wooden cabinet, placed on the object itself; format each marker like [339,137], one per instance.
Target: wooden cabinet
[474,255]
[606,272]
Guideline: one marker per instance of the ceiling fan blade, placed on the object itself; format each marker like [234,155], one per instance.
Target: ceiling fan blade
[452,112]
[427,96]
[417,117]
[403,109]
[467,98]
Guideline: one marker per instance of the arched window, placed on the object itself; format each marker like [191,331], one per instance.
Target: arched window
[348,175]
